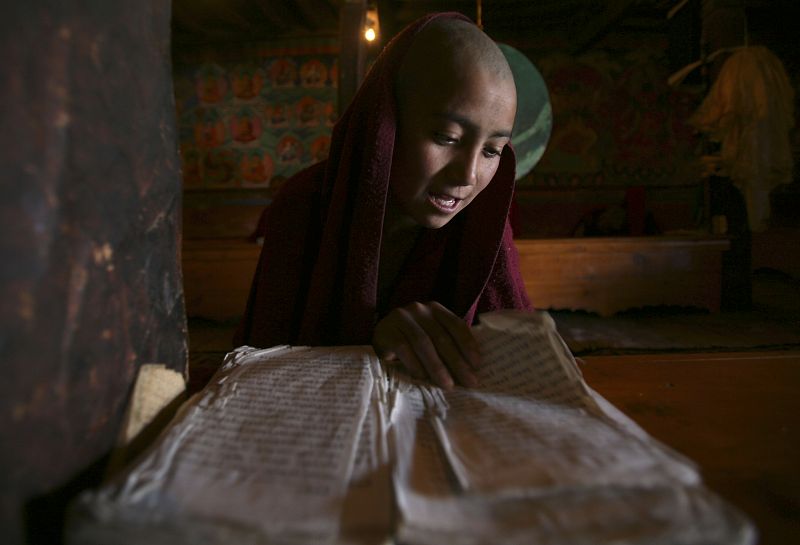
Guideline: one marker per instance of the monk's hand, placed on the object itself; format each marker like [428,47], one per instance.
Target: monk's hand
[431,342]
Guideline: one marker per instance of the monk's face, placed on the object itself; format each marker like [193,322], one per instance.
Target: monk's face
[451,132]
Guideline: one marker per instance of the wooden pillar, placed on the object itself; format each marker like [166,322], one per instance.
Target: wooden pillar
[90,204]
[724,25]
[351,50]
[388,23]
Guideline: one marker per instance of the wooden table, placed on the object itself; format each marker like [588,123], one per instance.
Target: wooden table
[736,414]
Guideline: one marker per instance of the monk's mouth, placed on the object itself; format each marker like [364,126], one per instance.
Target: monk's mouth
[445,203]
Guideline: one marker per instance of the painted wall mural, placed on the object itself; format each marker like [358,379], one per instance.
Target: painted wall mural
[621,147]
[252,115]
[616,121]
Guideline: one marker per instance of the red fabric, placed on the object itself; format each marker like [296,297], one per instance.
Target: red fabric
[316,280]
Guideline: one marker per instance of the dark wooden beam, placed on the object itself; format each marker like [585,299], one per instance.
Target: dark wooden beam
[599,26]
[388,20]
[351,52]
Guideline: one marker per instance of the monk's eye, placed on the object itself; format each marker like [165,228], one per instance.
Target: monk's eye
[491,152]
[444,139]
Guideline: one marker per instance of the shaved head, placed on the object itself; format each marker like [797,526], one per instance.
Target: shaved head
[452,49]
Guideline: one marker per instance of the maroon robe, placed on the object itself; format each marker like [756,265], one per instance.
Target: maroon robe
[317,278]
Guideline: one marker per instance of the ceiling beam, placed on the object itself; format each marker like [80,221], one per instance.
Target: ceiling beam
[600,25]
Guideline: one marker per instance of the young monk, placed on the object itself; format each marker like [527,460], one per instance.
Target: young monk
[401,237]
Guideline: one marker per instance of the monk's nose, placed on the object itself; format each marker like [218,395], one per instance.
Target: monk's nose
[465,168]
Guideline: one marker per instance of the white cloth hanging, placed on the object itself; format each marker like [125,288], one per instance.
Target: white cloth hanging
[750,110]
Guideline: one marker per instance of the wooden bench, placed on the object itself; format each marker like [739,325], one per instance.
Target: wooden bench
[217,274]
[603,275]
[609,274]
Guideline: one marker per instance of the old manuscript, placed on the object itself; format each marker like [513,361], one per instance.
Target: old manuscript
[330,445]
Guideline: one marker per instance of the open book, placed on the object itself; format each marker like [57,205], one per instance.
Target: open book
[330,445]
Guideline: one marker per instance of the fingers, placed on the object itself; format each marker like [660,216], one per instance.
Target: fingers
[450,339]
[431,342]
[390,343]
[402,334]
[460,333]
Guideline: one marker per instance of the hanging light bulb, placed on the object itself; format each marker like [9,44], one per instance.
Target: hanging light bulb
[371,24]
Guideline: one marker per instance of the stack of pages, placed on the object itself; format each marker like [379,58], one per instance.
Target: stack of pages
[330,445]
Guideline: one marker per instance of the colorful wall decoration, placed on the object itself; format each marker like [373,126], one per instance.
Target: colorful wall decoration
[618,130]
[252,114]
[615,119]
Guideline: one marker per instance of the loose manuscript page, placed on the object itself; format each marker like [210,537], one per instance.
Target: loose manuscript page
[268,449]
[532,455]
